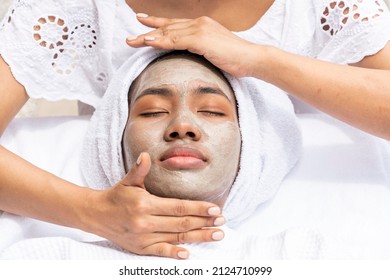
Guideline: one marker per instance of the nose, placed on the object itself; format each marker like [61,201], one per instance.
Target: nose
[182,129]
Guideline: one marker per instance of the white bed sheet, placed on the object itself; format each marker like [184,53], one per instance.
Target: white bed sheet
[340,189]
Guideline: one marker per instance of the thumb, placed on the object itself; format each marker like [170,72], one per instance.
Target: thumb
[157,22]
[136,176]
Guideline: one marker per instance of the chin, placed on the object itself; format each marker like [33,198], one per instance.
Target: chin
[189,185]
[170,191]
[196,193]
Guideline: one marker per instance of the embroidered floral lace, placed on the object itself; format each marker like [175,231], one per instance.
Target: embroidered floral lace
[69,49]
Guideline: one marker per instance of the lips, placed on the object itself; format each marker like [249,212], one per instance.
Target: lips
[183,158]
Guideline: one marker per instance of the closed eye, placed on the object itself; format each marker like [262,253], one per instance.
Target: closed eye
[153,114]
[212,113]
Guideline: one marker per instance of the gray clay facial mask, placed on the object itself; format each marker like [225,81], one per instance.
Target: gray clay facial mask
[183,114]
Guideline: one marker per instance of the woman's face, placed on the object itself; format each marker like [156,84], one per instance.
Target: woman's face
[184,115]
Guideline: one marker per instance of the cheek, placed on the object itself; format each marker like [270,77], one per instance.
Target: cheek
[139,138]
[225,141]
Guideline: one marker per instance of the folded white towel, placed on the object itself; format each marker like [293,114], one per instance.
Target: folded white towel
[294,243]
[271,139]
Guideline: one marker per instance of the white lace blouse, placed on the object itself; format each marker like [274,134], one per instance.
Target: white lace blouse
[70,49]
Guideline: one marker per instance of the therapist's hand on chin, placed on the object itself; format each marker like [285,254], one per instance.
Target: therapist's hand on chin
[145,224]
[203,36]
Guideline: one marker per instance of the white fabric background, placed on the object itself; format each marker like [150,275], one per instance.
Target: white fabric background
[41,107]
[340,190]
[36,108]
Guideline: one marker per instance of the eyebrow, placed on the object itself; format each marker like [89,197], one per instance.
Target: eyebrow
[154,91]
[211,90]
[161,91]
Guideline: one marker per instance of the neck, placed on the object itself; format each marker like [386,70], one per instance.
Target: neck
[182,9]
[234,15]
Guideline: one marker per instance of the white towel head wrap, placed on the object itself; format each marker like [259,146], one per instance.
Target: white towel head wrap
[271,139]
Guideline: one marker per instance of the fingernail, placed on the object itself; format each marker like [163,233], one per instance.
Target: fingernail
[139,159]
[214,211]
[142,15]
[219,221]
[217,236]
[131,38]
[183,255]
[150,38]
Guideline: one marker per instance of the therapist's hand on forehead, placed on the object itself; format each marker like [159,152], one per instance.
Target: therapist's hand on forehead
[148,224]
[366,90]
[203,36]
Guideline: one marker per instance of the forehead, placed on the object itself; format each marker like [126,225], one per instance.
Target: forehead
[181,70]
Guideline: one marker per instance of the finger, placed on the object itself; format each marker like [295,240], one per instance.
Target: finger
[156,22]
[182,224]
[177,36]
[163,242]
[193,236]
[166,250]
[178,207]
[138,172]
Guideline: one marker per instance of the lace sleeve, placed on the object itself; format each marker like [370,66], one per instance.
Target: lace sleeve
[349,30]
[56,49]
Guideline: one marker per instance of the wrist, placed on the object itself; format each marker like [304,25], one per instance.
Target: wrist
[76,206]
[262,63]
[89,210]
